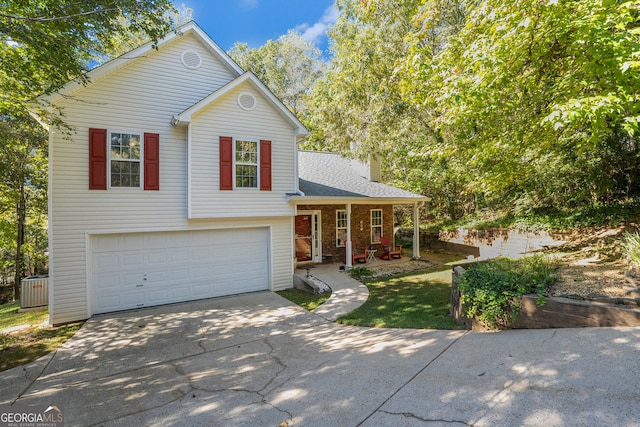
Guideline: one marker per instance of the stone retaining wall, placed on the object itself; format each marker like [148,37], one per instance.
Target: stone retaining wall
[486,243]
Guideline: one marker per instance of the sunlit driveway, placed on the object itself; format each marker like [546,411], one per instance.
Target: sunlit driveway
[257,360]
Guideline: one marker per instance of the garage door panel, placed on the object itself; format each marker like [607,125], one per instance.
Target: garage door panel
[131,258]
[157,257]
[178,266]
[132,278]
[108,262]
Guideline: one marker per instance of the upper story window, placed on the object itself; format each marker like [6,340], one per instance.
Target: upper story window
[125,160]
[376,225]
[246,164]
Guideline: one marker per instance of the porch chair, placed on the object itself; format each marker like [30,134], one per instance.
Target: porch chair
[389,250]
[357,255]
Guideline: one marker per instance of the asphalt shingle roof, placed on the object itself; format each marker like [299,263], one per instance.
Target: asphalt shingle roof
[331,175]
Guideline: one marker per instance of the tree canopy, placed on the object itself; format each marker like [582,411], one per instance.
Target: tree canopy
[514,105]
[289,66]
[539,96]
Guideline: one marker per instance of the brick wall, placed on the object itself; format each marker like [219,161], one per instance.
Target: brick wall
[360,236]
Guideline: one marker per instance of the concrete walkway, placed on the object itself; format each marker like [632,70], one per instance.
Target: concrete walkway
[347,294]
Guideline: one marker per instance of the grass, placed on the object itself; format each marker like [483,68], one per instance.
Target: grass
[631,244]
[416,300]
[29,344]
[305,299]
[10,317]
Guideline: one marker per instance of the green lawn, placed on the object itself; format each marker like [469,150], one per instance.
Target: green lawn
[418,301]
[9,316]
[29,344]
[304,299]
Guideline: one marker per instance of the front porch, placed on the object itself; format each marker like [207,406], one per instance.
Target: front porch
[324,233]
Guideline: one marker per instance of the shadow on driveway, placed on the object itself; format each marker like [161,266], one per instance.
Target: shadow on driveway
[256,359]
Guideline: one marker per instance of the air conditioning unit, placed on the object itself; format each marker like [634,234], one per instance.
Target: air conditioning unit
[34,291]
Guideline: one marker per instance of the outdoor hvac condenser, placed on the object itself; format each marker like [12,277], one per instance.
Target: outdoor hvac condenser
[34,291]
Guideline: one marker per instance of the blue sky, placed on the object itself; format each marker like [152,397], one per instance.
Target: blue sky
[256,21]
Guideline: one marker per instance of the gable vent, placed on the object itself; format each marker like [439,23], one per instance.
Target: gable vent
[191,59]
[246,101]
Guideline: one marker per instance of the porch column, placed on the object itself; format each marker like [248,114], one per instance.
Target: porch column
[347,244]
[416,232]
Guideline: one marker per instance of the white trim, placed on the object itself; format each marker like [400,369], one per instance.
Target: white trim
[381,226]
[316,235]
[323,200]
[189,178]
[140,160]
[257,142]
[348,248]
[50,221]
[335,241]
[87,272]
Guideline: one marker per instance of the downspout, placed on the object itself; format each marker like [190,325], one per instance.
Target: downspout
[416,232]
[348,249]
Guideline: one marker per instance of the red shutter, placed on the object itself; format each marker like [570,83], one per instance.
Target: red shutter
[265,165]
[226,163]
[151,161]
[97,159]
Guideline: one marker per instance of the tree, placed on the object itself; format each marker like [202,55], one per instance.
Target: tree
[289,66]
[362,102]
[539,98]
[47,43]
[23,194]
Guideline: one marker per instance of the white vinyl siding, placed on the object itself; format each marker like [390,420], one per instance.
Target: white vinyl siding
[162,87]
[225,118]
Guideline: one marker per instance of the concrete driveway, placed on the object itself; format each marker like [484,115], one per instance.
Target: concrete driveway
[257,360]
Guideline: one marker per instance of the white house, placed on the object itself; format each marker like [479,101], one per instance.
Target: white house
[181,182]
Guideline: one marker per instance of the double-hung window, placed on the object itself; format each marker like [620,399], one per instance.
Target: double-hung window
[341,227]
[122,160]
[246,164]
[125,159]
[376,225]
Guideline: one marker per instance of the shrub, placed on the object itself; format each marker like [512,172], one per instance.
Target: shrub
[360,272]
[632,247]
[491,290]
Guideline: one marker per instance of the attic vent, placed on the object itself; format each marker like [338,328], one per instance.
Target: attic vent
[246,101]
[191,59]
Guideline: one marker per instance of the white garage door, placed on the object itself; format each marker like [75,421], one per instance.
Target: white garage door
[145,269]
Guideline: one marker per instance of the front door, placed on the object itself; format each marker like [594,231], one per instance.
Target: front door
[306,241]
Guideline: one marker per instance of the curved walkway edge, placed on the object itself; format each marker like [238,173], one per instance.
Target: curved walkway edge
[347,293]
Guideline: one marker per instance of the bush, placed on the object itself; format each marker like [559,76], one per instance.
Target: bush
[491,290]
[632,247]
[360,272]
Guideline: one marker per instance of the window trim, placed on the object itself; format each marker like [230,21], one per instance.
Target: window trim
[235,164]
[338,211]
[372,226]
[140,159]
